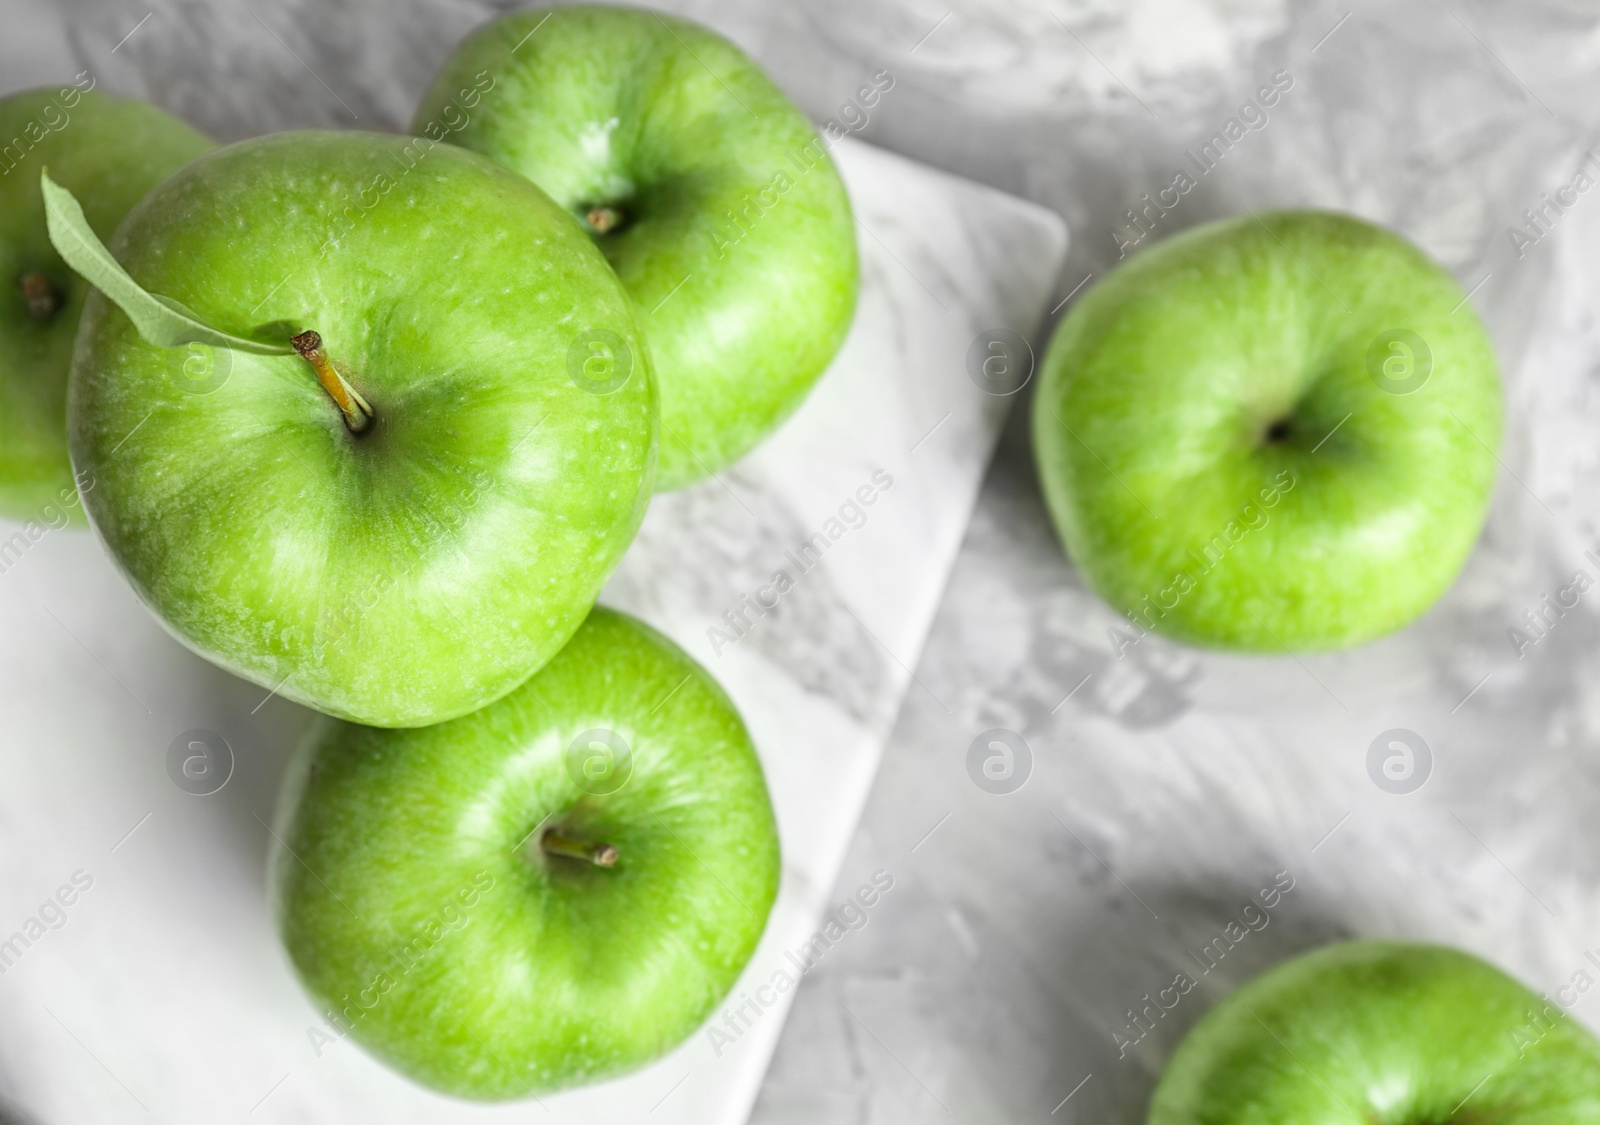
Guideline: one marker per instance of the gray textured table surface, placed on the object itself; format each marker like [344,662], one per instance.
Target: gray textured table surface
[1173,784]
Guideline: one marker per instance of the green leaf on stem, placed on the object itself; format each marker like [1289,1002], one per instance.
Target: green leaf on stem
[160,320]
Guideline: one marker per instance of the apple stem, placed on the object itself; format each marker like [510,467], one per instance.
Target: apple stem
[41,296]
[556,843]
[603,219]
[357,414]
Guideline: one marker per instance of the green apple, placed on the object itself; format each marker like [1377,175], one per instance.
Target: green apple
[405,520]
[709,192]
[1269,433]
[109,152]
[555,889]
[1382,1033]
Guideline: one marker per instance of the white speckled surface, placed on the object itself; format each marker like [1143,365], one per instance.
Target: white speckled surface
[1173,784]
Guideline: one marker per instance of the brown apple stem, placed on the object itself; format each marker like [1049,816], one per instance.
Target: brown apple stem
[603,219]
[555,842]
[357,414]
[41,296]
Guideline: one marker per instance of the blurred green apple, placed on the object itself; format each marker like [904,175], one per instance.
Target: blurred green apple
[708,191]
[109,152]
[552,890]
[1382,1033]
[1271,433]
[405,520]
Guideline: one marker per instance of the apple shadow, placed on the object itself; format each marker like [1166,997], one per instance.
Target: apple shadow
[1015,1014]
[262,738]
[126,701]
[10,1114]
[1143,974]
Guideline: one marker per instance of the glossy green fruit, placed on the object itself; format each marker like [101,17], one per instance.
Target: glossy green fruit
[1271,433]
[429,901]
[1382,1033]
[425,566]
[109,152]
[709,192]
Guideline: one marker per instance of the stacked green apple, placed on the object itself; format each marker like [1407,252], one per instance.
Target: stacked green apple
[551,890]
[109,151]
[709,193]
[396,505]
[370,420]
[1386,1033]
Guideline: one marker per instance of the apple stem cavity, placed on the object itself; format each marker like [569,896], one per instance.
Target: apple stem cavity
[602,219]
[357,414]
[554,842]
[41,295]
[1278,431]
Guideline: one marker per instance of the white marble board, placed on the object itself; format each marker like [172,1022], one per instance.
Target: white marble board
[163,996]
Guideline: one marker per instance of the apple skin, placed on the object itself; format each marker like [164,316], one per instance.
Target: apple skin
[1382,1033]
[679,130]
[546,971]
[1153,433]
[108,151]
[424,568]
